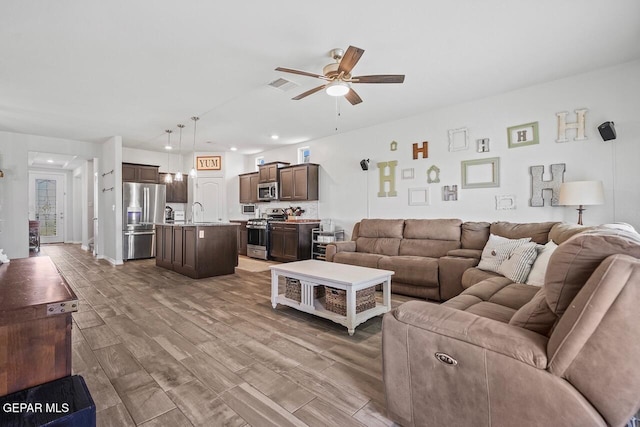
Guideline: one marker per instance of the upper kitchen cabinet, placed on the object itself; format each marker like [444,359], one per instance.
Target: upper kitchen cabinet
[133,172]
[299,182]
[177,191]
[249,187]
[269,171]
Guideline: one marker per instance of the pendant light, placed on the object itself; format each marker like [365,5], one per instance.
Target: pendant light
[178,176]
[193,173]
[167,178]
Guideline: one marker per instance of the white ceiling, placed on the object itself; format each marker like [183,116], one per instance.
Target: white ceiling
[90,69]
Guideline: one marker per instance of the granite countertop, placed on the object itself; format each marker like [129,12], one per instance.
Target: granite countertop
[297,221]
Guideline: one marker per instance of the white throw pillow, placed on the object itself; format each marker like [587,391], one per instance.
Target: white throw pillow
[518,265]
[539,269]
[497,250]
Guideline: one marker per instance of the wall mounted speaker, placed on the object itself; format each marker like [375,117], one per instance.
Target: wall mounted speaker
[364,164]
[607,131]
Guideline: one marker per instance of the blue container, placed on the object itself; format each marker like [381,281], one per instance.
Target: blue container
[61,403]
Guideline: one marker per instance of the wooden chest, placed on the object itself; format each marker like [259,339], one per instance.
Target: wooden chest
[35,324]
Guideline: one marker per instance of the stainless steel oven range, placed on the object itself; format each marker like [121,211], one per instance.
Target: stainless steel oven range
[258,233]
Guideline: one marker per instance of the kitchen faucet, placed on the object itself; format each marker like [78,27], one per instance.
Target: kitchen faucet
[193,208]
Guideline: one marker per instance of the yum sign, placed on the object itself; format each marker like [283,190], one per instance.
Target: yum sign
[209,163]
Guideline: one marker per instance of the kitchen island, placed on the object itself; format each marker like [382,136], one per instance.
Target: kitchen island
[197,250]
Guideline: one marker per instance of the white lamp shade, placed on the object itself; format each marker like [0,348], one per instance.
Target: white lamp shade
[581,193]
[337,88]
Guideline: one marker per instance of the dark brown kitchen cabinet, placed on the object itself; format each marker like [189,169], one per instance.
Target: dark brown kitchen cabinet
[177,191]
[197,251]
[290,242]
[133,172]
[164,246]
[299,182]
[249,187]
[269,171]
[243,235]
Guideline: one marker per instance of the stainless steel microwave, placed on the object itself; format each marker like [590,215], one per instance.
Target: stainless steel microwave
[268,191]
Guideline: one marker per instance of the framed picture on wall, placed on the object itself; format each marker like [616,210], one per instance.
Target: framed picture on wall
[522,135]
[481,173]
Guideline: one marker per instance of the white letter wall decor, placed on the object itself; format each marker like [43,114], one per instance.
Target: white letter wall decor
[578,126]
[538,185]
[450,193]
[388,178]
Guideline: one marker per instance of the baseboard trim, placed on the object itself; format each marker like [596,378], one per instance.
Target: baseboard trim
[113,261]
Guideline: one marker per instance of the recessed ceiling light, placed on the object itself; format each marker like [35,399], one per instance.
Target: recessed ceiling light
[49,161]
[168,147]
[274,136]
[233,149]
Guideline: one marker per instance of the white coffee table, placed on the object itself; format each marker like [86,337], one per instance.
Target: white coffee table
[350,278]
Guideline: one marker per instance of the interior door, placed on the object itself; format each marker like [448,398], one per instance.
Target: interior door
[47,205]
[209,192]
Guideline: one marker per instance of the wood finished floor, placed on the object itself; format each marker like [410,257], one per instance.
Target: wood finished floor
[160,349]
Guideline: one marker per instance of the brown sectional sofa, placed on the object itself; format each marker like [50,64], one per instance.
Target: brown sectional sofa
[563,354]
[432,258]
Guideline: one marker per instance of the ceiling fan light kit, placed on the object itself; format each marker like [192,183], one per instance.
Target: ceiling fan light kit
[337,88]
[338,76]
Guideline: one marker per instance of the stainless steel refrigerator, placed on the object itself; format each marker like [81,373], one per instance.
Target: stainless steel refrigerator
[143,207]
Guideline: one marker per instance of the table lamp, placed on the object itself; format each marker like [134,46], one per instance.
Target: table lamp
[581,193]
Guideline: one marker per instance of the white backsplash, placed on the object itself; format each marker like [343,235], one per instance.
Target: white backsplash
[310,208]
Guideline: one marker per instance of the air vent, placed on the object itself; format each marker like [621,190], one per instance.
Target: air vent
[283,84]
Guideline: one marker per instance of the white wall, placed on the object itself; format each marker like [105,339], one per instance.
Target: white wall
[14,187]
[111,200]
[610,95]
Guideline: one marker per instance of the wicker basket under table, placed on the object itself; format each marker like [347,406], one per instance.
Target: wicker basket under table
[292,290]
[336,300]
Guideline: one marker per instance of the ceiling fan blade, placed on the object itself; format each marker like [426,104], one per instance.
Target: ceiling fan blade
[353,97]
[350,59]
[381,78]
[302,73]
[309,92]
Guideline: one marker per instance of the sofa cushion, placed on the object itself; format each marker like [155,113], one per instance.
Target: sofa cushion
[427,247]
[430,237]
[434,229]
[475,275]
[381,228]
[537,231]
[474,235]
[562,231]
[497,250]
[412,270]
[573,262]
[495,298]
[381,246]
[518,265]
[357,258]
[535,315]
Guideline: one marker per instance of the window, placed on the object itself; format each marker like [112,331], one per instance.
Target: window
[304,155]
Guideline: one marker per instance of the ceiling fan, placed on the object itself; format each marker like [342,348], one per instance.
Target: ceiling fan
[338,76]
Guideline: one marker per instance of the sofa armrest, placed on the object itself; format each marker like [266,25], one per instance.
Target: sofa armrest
[517,343]
[450,271]
[335,247]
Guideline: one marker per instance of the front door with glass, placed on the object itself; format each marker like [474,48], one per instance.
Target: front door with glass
[46,205]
